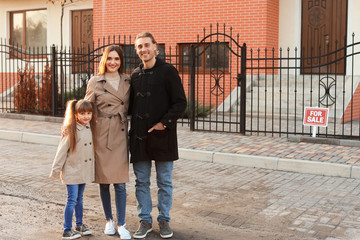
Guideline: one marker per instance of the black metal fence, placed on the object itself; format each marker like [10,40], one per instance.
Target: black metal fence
[25,75]
[281,83]
[218,70]
[265,91]
[230,87]
[42,80]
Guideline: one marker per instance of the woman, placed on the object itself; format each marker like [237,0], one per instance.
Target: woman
[109,90]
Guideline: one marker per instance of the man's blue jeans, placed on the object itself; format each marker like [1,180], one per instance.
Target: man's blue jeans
[142,172]
[74,202]
[120,201]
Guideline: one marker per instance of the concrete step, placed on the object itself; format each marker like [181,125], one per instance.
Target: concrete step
[292,80]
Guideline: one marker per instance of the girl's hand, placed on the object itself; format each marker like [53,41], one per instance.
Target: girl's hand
[63,132]
[54,175]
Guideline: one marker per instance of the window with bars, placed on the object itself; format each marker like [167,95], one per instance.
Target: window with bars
[209,56]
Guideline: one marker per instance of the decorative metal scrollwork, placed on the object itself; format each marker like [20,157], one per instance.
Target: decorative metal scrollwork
[317,17]
[217,89]
[327,87]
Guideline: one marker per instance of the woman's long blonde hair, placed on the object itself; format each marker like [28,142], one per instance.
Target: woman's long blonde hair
[69,125]
[102,64]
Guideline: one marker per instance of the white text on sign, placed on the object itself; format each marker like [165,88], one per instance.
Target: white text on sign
[316,116]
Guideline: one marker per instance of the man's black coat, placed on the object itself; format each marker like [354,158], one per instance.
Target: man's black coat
[157,95]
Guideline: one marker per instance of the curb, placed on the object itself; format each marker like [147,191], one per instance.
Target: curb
[30,137]
[291,138]
[272,163]
[330,141]
[31,117]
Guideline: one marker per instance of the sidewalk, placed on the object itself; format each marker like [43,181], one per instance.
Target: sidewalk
[250,151]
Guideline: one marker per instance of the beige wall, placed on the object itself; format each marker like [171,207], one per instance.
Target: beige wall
[53,14]
[353,27]
[290,24]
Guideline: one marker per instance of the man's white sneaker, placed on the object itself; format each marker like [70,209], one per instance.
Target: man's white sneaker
[109,228]
[123,232]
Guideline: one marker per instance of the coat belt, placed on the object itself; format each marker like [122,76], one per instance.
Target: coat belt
[112,124]
[123,116]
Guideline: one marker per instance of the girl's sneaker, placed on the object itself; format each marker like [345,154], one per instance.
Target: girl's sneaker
[109,228]
[71,235]
[123,232]
[83,230]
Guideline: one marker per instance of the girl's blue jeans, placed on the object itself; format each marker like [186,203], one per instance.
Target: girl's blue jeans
[120,201]
[74,202]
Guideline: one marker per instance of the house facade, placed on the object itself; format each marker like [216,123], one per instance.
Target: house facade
[297,25]
[260,24]
[34,26]
[272,24]
[22,20]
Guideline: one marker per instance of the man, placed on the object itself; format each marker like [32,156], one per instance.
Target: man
[157,100]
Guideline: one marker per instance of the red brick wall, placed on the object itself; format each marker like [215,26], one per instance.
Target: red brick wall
[352,111]
[173,22]
[8,80]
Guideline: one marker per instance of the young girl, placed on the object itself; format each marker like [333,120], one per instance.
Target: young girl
[74,162]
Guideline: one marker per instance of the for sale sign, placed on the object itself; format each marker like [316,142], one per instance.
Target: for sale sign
[316,116]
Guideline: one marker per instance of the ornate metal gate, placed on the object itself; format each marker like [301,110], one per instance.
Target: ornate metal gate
[218,80]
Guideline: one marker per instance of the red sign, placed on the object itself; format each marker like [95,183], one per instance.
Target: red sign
[316,116]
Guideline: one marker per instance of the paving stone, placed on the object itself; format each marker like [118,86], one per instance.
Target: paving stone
[324,207]
[229,220]
[219,142]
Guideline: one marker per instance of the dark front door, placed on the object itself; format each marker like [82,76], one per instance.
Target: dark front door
[323,32]
[82,39]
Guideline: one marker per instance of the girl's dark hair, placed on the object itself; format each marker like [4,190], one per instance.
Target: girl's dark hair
[74,107]
[102,64]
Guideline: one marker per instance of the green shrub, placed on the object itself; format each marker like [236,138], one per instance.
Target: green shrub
[78,93]
[201,110]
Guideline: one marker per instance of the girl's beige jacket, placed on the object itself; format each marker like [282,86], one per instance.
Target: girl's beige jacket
[77,167]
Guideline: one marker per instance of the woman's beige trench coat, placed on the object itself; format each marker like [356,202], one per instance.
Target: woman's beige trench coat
[111,143]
